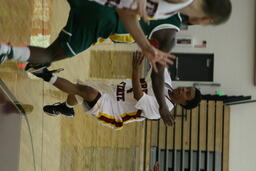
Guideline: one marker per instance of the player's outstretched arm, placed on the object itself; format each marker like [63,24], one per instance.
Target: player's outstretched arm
[154,55]
[136,68]
[165,41]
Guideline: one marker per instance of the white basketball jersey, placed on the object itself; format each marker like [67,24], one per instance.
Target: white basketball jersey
[117,105]
[157,9]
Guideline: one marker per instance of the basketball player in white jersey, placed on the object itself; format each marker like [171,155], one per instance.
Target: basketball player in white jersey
[116,105]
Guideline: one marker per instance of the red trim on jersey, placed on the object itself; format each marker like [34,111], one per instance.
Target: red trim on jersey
[124,119]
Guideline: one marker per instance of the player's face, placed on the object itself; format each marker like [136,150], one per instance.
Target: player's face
[182,94]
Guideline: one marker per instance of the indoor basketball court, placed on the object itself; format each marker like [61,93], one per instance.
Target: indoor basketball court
[59,143]
[31,140]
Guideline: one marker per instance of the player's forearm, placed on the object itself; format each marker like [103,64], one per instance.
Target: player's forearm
[131,23]
[158,85]
[137,91]
[165,39]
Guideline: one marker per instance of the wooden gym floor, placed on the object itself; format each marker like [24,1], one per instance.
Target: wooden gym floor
[60,144]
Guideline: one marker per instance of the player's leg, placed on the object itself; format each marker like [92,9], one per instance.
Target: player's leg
[67,108]
[46,55]
[39,55]
[32,54]
[77,94]
[81,31]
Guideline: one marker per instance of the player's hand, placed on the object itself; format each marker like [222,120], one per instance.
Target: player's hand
[156,56]
[156,167]
[167,117]
[137,60]
[141,9]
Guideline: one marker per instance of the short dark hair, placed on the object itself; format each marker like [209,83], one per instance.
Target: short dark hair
[194,102]
[218,10]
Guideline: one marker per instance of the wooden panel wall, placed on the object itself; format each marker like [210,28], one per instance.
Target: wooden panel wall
[205,128]
[225,147]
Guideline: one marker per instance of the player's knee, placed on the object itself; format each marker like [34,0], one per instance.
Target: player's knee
[86,91]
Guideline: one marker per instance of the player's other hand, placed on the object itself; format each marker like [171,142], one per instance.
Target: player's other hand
[167,117]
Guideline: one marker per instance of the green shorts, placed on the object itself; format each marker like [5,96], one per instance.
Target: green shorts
[87,22]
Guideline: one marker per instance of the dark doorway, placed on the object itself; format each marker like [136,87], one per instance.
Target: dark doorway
[192,67]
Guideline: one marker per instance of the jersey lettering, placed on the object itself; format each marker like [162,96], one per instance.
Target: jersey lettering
[120,95]
[144,85]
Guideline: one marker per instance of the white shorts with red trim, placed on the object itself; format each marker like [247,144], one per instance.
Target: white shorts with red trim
[112,113]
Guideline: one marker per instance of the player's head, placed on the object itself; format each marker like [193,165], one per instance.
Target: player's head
[187,97]
[206,12]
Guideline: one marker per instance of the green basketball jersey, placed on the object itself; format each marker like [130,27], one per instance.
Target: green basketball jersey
[122,36]
[89,21]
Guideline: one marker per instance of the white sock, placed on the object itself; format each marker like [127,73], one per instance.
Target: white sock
[69,106]
[20,53]
[53,79]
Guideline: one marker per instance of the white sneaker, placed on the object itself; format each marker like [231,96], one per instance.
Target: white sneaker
[5,52]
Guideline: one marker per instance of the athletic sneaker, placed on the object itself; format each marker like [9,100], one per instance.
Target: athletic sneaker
[5,52]
[43,73]
[46,74]
[59,108]
[30,67]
